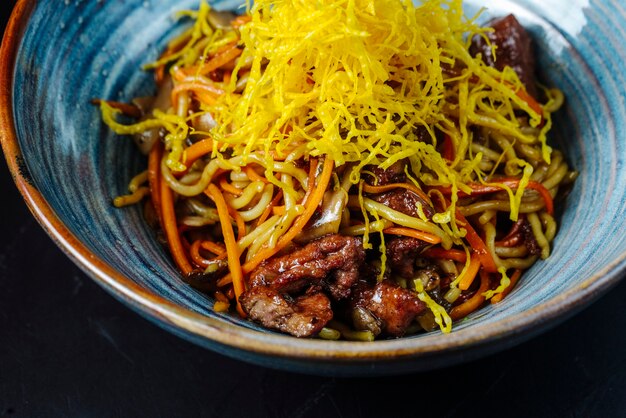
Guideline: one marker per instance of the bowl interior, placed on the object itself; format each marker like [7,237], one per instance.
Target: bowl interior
[88,49]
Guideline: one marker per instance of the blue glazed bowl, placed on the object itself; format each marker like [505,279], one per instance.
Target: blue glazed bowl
[58,55]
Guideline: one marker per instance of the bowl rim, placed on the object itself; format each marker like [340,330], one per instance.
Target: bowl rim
[528,323]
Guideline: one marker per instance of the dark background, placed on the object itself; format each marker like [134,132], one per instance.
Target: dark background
[69,349]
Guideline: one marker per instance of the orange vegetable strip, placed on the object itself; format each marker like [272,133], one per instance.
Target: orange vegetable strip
[220,59]
[413,233]
[226,78]
[447,148]
[478,245]
[197,150]
[240,21]
[227,187]
[126,108]
[514,278]
[478,188]
[278,210]
[470,274]
[311,205]
[268,210]
[514,236]
[194,252]
[221,297]
[209,93]
[154,175]
[530,100]
[232,249]
[171,229]
[473,303]
[438,252]
[241,224]
[214,247]
[381,189]
[253,175]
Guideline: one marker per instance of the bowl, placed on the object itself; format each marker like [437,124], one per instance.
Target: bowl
[58,56]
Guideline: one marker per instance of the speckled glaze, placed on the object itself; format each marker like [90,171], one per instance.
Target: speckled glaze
[56,56]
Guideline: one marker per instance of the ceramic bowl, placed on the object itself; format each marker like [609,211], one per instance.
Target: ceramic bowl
[56,56]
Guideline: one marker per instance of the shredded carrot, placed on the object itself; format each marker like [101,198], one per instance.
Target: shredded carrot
[470,274]
[478,188]
[214,247]
[229,188]
[239,21]
[473,303]
[278,210]
[478,245]
[194,253]
[232,249]
[269,209]
[221,297]
[171,229]
[530,100]
[438,252]
[253,175]
[197,150]
[514,278]
[447,148]
[311,205]
[219,60]
[206,92]
[413,233]
[381,189]
[241,224]
[154,176]
[514,236]
[127,109]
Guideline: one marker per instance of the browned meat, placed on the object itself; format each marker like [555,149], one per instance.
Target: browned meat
[331,262]
[394,308]
[402,253]
[529,238]
[301,317]
[513,49]
[394,174]
[404,201]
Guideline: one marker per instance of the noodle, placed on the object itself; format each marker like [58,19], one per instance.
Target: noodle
[372,121]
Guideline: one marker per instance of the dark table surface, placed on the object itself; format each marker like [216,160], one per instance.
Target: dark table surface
[68,349]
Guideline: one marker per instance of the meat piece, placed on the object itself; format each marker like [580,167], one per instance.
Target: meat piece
[301,317]
[396,308]
[513,49]
[331,262]
[529,238]
[404,201]
[393,174]
[402,253]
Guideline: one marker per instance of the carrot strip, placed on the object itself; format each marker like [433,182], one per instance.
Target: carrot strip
[385,188]
[253,175]
[214,247]
[127,109]
[219,60]
[194,253]
[478,245]
[514,278]
[438,252]
[473,303]
[232,249]
[278,210]
[514,236]
[311,205]
[154,175]
[478,188]
[171,229]
[239,21]
[241,224]
[470,274]
[229,188]
[206,92]
[268,210]
[197,150]
[447,148]
[413,233]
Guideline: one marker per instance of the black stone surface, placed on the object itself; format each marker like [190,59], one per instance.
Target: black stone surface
[69,349]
